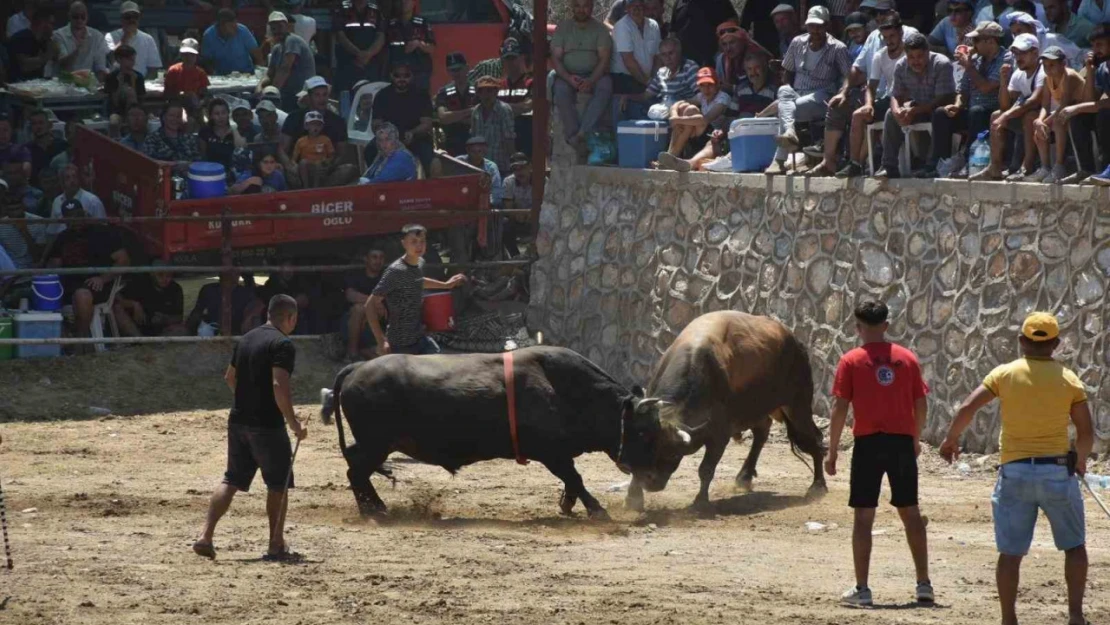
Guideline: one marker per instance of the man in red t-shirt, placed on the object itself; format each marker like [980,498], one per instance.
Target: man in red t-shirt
[186,79]
[882,383]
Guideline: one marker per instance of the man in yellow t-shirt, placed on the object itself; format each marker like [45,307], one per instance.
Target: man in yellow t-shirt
[1039,396]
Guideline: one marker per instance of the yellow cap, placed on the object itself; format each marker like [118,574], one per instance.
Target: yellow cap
[1040,326]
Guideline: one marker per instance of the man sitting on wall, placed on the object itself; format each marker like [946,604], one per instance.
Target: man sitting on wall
[246,308]
[580,51]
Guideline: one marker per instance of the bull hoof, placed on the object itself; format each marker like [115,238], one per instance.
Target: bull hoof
[566,504]
[744,484]
[599,514]
[701,508]
[817,491]
[635,504]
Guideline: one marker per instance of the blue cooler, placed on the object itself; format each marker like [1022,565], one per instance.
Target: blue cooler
[207,180]
[640,141]
[38,325]
[752,143]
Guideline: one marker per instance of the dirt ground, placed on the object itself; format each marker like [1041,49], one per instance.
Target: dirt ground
[101,512]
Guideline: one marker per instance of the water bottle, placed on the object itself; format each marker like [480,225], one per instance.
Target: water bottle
[345,104]
[980,153]
[1100,482]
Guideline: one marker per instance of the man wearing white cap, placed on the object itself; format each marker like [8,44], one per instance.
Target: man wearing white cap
[147,59]
[291,61]
[1019,103]
[335,128]
[785,18]
[815,68]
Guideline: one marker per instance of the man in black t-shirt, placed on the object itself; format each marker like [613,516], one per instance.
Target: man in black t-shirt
[87,246]
[410,110]
[455,103]
[259,374]
[359,42]
[151,305]
[31,49]
[358,288]
[342,171]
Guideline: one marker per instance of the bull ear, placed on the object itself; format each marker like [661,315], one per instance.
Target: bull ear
[638,391]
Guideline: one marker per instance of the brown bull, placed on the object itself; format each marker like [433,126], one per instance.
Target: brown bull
[724,374]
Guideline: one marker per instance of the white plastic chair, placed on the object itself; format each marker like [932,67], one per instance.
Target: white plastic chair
[102,311]
[362,137]
[904,159]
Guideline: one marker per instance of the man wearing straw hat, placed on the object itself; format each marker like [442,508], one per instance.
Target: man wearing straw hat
[1039,397]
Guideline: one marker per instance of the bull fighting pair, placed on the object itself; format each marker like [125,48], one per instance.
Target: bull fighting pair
[569,406]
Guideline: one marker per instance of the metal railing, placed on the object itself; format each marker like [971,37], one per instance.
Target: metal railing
[227,269]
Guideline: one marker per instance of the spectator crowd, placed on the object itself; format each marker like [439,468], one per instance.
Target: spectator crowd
[980,89]
[291,132]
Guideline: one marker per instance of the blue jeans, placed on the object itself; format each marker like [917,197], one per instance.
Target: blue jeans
[420,348]
[1023,489]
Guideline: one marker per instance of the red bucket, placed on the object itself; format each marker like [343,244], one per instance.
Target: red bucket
[439,311]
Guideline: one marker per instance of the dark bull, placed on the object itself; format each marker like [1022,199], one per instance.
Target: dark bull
[451,411]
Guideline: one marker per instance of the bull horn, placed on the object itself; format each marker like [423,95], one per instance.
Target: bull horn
[650,401]
[688,429]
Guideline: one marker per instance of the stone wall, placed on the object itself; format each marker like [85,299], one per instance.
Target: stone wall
[627,258]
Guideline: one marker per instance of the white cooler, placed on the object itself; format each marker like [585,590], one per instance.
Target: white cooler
[752,143]
[640,141]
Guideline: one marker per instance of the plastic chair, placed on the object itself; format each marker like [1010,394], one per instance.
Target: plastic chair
[102,311]
[904,159]
[360,138]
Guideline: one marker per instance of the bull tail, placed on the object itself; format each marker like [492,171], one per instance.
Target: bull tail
[801,431]
[330,403]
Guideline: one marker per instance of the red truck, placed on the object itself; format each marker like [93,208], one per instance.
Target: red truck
[133,185]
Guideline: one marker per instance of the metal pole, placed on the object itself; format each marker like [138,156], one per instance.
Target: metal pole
[227,287]
[215,269]
[540,109]
[265,216]
[143,340]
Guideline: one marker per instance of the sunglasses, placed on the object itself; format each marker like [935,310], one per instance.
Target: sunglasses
[131,17]
[727,31]
[402,75]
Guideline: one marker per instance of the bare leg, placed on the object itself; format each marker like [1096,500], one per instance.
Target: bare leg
[83,311]
[127,325]
[1075,572]
[680,134]
[857,140]
[276,505]
[354,328]
[861,544]
[1042,145]
[702,157]
[1061,132]
[1030,146]
[998,147]
[218,506]
[832,140]
[917,539]
[1007,577]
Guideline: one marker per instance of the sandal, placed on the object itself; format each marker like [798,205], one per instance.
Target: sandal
[205,550]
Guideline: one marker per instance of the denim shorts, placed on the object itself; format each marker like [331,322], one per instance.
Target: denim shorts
[1023,489]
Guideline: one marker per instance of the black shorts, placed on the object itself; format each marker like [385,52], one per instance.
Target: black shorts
[252,448]
[875,455]
[72,284]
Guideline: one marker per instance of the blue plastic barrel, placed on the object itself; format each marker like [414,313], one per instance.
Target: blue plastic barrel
[46,293]
[207,180]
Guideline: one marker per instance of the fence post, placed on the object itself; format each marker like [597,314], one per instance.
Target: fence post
[541,108]
[227,284]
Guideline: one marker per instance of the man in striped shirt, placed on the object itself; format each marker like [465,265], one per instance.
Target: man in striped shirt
[814,69]
[675,81]
[402,289]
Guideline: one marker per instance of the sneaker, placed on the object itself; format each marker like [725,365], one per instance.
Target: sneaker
[1041,175]
[1016,176]
[888,173]
[960,174]
[853,170]
[986,174]
[925,172]
[1058,173]
[1077,178]
[788,141]
[857,597]
[817,150]
[924,592]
